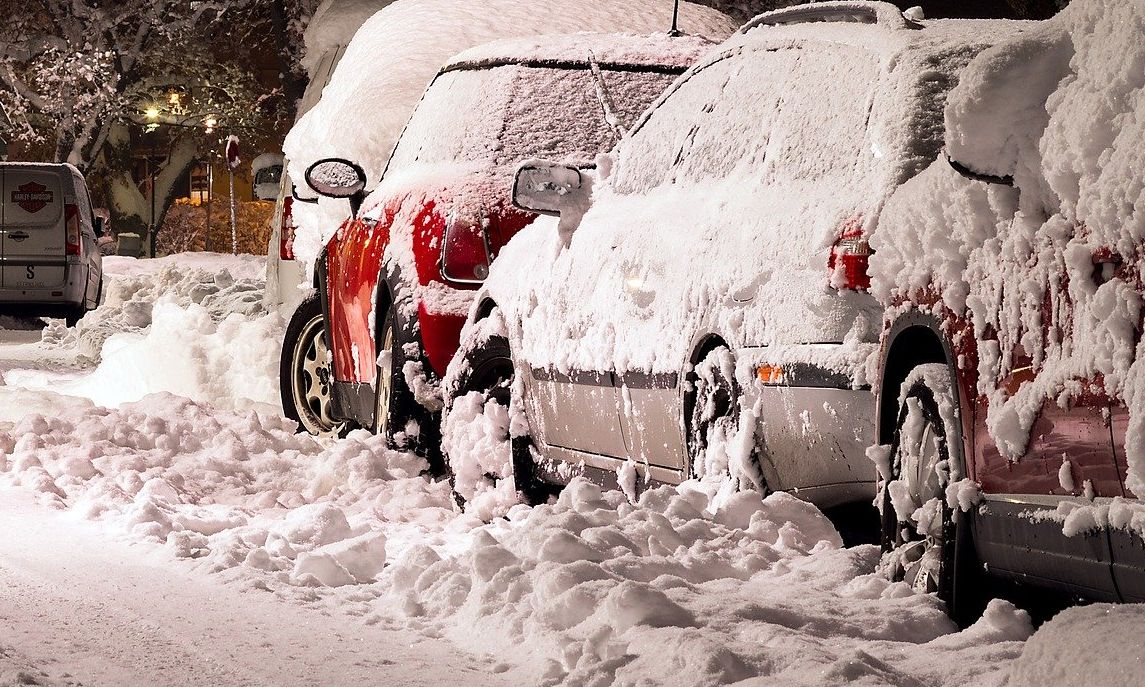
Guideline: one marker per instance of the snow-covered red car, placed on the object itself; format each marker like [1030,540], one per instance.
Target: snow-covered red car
[1011,384]
[395,283]
[701,306]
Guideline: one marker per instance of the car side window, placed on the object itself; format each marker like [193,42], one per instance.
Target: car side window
[649,157]
[735,130]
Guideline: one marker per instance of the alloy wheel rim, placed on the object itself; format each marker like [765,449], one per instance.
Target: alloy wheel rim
[385,386]
[920,555]
[312,387]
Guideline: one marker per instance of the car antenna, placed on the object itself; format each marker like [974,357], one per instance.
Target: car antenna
[675,30]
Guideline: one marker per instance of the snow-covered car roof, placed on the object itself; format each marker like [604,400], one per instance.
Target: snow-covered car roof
[333,25]
[607,49]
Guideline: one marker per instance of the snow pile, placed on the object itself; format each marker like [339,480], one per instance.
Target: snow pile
[1094,645]
[238,489]
[397,52]
[596,590]
[589,589]
[475,436]
[222,284]
[1051,266]
[189,324]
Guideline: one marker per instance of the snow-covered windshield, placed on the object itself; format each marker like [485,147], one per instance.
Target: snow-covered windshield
[741,112]
[504,114]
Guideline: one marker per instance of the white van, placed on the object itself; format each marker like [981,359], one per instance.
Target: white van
[49,262]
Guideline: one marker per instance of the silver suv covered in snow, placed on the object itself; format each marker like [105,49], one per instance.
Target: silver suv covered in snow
[701,307]
[49,262]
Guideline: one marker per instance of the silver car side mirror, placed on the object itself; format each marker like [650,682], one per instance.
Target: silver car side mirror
[548,187]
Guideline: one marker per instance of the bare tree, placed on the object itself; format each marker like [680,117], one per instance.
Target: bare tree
[81,76]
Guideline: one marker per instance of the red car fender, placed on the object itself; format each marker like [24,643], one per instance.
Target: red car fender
[358,256]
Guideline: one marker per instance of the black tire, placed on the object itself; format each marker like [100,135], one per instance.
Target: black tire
[395,404]
[488,369]
[942,564]
[711,407]
[99,292]
[75,314]
[305,379]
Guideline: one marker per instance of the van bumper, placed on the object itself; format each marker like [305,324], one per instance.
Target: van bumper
[53,301]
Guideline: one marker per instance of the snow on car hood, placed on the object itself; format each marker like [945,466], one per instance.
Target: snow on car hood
[1060,110]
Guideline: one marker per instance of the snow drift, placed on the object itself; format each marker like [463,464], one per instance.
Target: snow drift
[190,324]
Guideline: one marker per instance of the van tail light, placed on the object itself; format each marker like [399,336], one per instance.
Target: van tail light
[72,226]
[849,262]
[465,253]
[286,230]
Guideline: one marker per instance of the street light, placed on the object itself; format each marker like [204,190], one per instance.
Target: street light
[152,115]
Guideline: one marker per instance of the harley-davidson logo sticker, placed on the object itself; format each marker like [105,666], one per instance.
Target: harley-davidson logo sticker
[32,197]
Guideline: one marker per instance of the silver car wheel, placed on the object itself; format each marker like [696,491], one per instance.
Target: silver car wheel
[921,555]
[311,381]
[384,382]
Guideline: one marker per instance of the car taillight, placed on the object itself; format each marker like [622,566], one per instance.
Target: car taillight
[72,226]
[465,255]
[286,230]
[849,262]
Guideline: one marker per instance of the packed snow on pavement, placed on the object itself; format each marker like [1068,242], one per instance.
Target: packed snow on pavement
[151,436]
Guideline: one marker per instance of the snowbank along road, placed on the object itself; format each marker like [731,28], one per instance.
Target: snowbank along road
[167,526]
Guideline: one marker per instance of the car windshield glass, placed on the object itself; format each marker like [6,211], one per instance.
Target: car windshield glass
[505,114]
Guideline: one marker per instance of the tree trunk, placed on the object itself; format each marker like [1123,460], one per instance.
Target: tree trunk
[127,199]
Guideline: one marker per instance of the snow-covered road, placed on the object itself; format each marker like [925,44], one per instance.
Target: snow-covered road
[83,607]
[165,525]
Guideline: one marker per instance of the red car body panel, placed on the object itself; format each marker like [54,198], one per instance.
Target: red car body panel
[358,255]
[1078,431]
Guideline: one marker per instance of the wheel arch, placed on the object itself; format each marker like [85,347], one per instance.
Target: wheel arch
[913,339]
[485,307]
[706,344]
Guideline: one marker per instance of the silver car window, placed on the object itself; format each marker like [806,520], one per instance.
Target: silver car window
[822,128]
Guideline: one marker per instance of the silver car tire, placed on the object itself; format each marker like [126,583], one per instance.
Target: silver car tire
[931,562]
